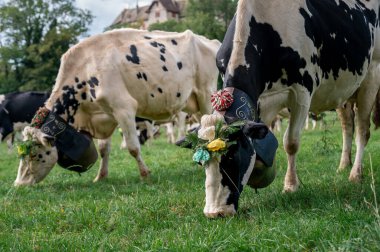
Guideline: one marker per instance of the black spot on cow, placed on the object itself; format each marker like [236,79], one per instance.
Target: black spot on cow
[154,44]
[67,103]
[178,94]
[165,68]
[43,161]
[76,79]
[84,96]
[133,57]
[48,153]
[84,83]
[142,76]
[79,86]
[174,42]
[163,50]
[40,156]
[179,65]
[339,47]
[92,91]
[58,107]
[162,58]
[147,37]
[276,63]
[95,81]
[160,90]
[91,84]
[152,95]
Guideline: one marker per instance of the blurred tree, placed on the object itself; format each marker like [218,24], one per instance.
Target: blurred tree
[33,36]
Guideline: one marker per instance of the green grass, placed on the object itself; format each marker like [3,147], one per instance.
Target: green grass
[67,212]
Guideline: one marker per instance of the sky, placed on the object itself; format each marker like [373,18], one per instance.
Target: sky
[105,11]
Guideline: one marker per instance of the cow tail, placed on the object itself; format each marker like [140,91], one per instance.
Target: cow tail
[376,111]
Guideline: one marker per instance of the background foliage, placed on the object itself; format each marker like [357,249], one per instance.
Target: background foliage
[33,36]
[35,33]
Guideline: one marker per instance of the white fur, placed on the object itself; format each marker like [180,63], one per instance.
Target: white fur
[249,170]
[216,193]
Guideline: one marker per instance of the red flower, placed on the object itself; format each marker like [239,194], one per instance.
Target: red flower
[221,100]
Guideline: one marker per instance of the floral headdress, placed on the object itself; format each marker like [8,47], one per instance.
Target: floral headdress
[212,139]
[27,148]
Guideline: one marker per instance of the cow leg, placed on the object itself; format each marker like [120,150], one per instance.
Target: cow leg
[346,117]
[181,125]
[314,124]
[128,126]
[307,122]
[123,144]
[366,97]
[150,131]
[124,111]
[170,132]
[292,139]
[10,142]
[104,150]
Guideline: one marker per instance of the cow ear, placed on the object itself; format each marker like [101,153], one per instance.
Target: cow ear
[255,130]
[48,140]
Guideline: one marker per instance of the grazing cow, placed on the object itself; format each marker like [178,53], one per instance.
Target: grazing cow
[109,79]
[17,110]
[303,55]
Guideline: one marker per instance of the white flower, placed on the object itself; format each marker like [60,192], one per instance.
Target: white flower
[207,133]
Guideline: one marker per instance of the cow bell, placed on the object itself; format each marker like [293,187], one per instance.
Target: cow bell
[82,163]
[262,175]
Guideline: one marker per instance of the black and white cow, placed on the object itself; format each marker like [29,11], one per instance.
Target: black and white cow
[17,110]
[109,79]
[303,55]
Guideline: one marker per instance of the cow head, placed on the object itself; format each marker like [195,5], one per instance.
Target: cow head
[38,156]
[235,150]
[72,150]
[226,175]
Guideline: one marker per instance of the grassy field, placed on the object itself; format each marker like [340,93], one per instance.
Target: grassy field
[67,212]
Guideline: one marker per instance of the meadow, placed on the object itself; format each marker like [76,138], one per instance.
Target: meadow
[68,212]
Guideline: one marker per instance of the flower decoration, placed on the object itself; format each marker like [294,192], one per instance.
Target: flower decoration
[216,145]
[25,148]
[39,117]
[207,133]
[201,156]
[221,100]
[212,139]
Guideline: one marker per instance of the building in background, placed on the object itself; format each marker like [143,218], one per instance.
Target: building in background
[157,11]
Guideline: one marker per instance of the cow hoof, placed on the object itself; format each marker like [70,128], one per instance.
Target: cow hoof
[145,173]
[100,177]
[340,169]
[357,178]
[219,214]
[343,166]
[290,188]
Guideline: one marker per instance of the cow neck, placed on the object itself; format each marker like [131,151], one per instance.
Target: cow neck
[67,113]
